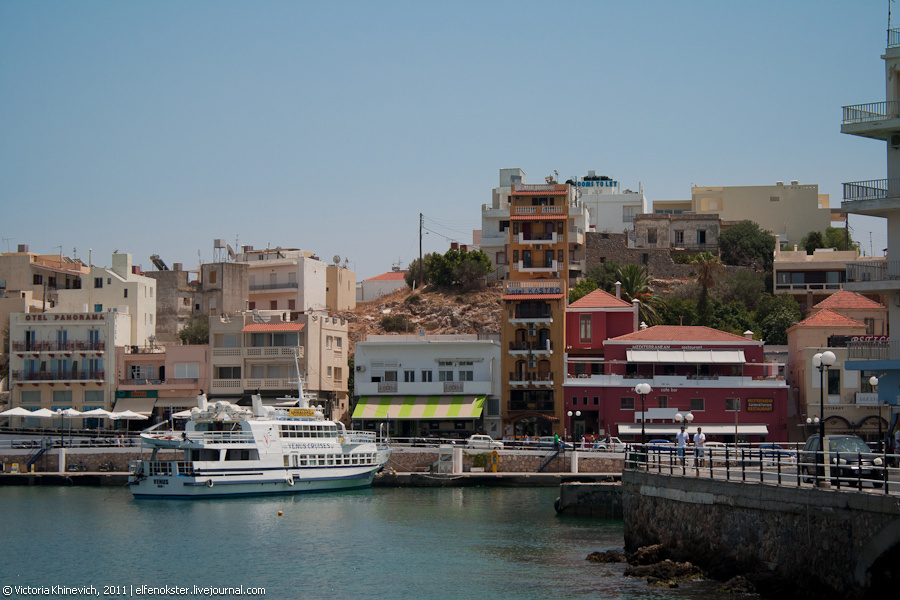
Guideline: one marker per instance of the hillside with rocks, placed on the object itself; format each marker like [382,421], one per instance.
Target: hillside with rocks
[435,311]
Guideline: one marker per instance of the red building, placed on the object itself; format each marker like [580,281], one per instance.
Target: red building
[719,378]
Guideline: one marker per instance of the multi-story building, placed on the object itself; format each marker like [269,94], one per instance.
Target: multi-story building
[421,385]
[689,232]
[40,276]
[494,236]
[159,381]
[610,210]
[65,360]
[879,198]
[811,278]
[285,279]
[340,287]
[533,310]
[254,351]
[216,289]
[789,211]
[121,288]
[720,378]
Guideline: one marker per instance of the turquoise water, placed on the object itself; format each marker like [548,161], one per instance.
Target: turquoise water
[381,543]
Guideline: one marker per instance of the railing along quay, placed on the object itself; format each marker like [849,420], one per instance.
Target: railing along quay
[794,467]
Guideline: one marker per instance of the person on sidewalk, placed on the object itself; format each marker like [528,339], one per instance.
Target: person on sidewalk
[681,440]
[699,447]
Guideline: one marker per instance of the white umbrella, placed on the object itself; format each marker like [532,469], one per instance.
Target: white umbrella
[184,414]
[44,413]
[96,412]
[17,412]
[69,413]
[128,415]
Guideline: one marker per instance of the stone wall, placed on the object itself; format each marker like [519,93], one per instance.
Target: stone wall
[417,460]
[91,460]
[823,542]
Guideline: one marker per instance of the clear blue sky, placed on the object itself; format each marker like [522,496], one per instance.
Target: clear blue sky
[155,127]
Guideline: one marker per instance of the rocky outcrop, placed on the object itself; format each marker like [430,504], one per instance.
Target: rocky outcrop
[610,556]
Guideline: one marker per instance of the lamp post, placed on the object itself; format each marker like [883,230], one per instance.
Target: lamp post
[873,381]
[821,361]
[643,389]
[577,413]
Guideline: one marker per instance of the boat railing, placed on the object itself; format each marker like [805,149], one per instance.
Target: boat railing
[360,437]
[220,437]
[161,468]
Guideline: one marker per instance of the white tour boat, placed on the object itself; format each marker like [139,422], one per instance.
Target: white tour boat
[227,450]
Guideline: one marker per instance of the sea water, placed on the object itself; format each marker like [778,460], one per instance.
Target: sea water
[382,543]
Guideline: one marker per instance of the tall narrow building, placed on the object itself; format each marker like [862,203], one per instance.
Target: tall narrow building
[533,320]
[878,357]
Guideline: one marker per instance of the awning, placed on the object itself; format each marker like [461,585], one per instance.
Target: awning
[670,429]
[142,406]
[176,402]
[419,407]
[693,357]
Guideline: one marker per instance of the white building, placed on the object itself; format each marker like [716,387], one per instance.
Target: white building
[374,288]
[611,210]
[285,279]
[441,385]
[121,289]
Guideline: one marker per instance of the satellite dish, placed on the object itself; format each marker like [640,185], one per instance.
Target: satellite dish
[230,250]
[336,258]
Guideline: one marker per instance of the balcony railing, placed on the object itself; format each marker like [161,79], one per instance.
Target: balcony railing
[58,376]
[532,346]
[274,286]
[874,271]
[893,38]
[530,376]
[387,387]
[871,112]
[886,350]
[520,405]
[874,189]
[58,346]
[536,238]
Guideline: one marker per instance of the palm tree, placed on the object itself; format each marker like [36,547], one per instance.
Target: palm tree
[636,285]
[707,265]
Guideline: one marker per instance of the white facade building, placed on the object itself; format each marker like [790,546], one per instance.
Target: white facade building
[441,385]
[611,211]
[121,289]
[285,279]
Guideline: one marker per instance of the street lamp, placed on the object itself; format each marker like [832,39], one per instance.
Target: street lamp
[821,361]
[643,389]
[873,381]
[577,413]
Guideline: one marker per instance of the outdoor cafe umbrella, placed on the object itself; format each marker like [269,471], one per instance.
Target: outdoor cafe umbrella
[128,415]
[16,412]
[67,413]
[44,413]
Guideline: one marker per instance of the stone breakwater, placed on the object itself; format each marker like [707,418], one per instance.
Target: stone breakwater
[424,460]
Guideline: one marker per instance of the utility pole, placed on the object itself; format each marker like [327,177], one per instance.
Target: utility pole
[421,266]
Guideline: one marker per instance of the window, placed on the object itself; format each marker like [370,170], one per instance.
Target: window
[338,343]
[584,328]
[501,258]
[212,276]
[228,372]
[329,373]
[834,382]
[93,399]
[662,401]
[651,236]
[63,397]
[98,282]
[390,376]
[697,404]
[504,225]
[292,304]
[409,376]
[732,405]
[273,304]
[466,375]
[187,370]
[125,293]
[328,341]
[596,401]
[679,237]
[426,376]
[228,340]
[645,259]
[701,236]
[626,403]
[31,397]
[445,375]
[37,279]
[870,325]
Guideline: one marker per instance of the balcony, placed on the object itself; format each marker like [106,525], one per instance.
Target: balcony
[54,376]
[881,350]
[893,38]
[387,387]
[536,238]
[551,268]
[554,211]
[876,197]
[873,276]
[876,120]
[269,351]
[285,285]
[58,346]
[531,379]
[522,348]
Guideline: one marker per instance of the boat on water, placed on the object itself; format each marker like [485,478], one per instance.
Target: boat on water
[228,450]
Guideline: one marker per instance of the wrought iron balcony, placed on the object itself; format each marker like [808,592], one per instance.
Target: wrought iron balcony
[871,112]
[883,350]
[875,189]
[881,270]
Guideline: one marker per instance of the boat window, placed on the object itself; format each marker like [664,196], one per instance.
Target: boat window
[286,463]
[296,460]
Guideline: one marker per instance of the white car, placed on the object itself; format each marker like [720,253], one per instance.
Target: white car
[483,441]
[612,444]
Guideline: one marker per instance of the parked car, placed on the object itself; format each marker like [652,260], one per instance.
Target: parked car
[848,457]
[612,444]
[660,446]
[483,441]
[773,454]
[549,441]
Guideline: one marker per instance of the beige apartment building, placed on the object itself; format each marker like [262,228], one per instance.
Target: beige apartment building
[254,352]
[39,277]
[340,288]
[161,380]
[811,278]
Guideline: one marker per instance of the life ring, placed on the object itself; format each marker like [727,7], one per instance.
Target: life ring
[290,480]
[209,483]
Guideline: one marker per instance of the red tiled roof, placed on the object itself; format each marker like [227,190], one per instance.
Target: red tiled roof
[389,276]
[600,299]
[848,300]
[829,318]
[532,296]
[541,217]
[677,333]
[270,327]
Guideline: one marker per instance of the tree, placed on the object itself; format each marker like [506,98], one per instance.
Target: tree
[582,289]
[838,238]
[636,286]
[195,332]
[745,244]
[605,275]
[774,315]
[813,240]
[740,285]
[453,269]
[707,265]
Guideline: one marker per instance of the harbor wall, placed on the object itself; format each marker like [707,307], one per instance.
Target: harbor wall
[813,541]
[419,460]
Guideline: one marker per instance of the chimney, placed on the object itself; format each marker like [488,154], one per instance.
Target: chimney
[636,305]
[748,334]
[454,245]
[809,299]
[619,290]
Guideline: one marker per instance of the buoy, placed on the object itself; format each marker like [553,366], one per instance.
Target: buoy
[279,513]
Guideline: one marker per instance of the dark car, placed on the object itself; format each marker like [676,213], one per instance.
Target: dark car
[848,457]
[772,454]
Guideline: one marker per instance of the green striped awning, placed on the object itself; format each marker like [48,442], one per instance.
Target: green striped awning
[419,407]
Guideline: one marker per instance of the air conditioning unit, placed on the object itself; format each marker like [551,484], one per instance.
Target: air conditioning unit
[360,368]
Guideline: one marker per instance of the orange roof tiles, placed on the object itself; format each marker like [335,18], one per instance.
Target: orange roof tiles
[677,333]
[271,327]
[829,318]
[600,299]
[389,276]
[846,299]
